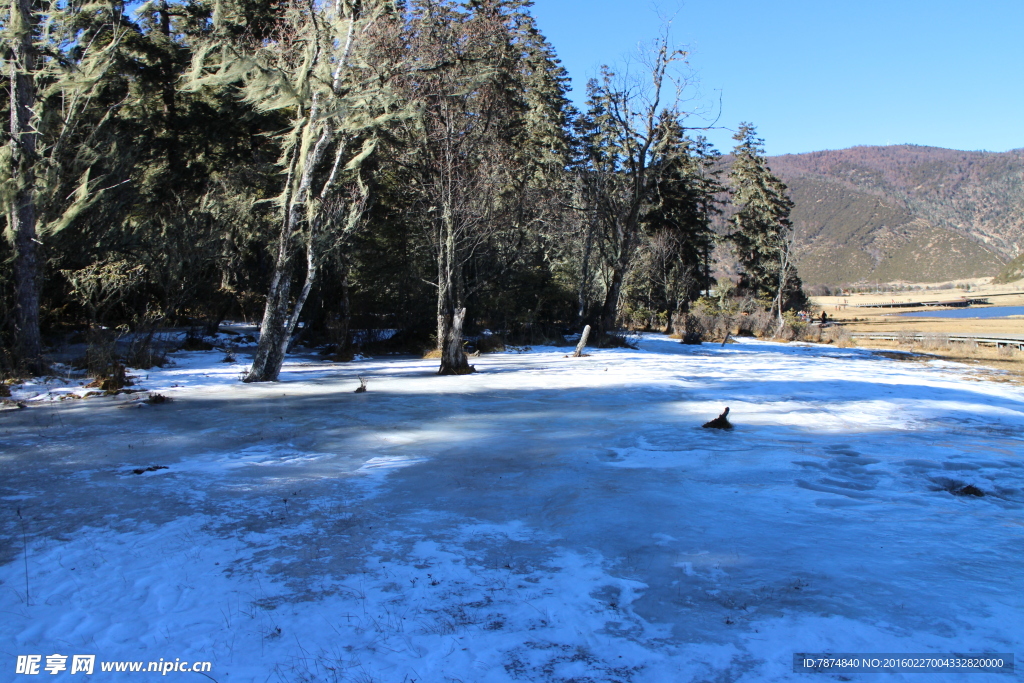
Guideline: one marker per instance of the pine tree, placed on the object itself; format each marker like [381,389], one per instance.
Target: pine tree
[762,232]
[60,59]
[493,111]
[22,26]
[678,224]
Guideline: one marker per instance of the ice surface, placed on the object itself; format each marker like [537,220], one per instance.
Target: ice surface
[546,519]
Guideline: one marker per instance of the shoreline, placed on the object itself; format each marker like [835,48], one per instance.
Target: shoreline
[854,315]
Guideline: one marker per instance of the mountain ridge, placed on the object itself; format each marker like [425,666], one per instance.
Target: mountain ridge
[904,212]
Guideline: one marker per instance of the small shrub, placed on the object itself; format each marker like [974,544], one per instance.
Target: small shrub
[969,346]
[838,335]
[519,349]
[713,322]
[613,340]
[796,324]
[490,343]
[113,380]
[785,332]
[143,356]
[101,353]
[196,344]
[157,399]
[935,341]
[691,330]
[906,337]
[708,322]
[813,333]
[759,323]
[346,355]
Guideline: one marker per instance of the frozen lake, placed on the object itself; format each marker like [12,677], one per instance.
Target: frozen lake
[546,519]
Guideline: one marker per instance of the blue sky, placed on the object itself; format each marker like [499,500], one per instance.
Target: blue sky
[825,74]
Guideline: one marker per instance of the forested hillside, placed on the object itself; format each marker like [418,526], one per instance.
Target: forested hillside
[904,212]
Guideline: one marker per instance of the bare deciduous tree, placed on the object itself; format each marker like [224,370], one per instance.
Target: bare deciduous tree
[625,134]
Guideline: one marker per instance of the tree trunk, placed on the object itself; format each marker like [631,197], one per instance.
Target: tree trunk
[168,91]
[266,364]
[22,218]
[278,325]
[450,311]
[610,310]
[221,312]
[29,345]
[583,342]
[585,272]
[311,269]
[672,316]
[340,333]
[453,358]
[445,304]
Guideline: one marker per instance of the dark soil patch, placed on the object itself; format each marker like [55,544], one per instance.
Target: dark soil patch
[904,356]
[968,490]
[196,344]
[151,468]
[959,488]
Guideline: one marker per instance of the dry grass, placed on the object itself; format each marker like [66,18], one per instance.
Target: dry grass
[890,321]
[840,336]
[935,333]
[1006,359]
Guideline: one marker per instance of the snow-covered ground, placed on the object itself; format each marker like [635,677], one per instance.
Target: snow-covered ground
[547,519]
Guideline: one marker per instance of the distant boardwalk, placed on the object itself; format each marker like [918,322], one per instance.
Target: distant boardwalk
[950,303]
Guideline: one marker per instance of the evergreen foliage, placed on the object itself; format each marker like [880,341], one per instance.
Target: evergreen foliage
[638,171]
[762,234]
[357,165]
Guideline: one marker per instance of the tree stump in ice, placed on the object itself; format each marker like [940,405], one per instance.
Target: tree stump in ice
[583,342]
[453,357]
[720,422]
